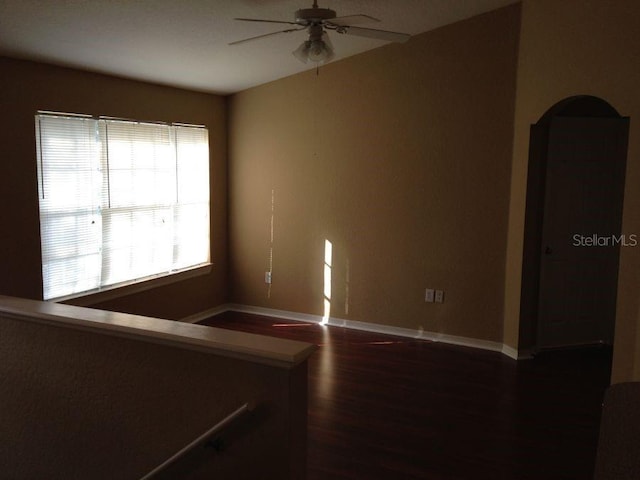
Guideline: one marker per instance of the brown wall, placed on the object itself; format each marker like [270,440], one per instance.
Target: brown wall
[26,87]
[569,48]
[401,158]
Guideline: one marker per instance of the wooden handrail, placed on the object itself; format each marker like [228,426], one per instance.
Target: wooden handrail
[201,440]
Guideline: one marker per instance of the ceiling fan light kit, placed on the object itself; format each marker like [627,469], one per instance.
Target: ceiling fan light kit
[317,21]
[317,49]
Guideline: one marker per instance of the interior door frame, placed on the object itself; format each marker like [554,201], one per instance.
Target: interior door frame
[577,106]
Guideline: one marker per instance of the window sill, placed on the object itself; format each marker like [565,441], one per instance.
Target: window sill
[86,299]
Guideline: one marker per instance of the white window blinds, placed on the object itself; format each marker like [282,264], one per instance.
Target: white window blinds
[120,201]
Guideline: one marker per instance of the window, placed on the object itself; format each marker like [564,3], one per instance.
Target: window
[120,201]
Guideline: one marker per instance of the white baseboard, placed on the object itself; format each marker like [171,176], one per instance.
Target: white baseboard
[365,326]
[212,312]
[270,312]
[510,352]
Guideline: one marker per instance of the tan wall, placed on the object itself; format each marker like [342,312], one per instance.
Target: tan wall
[569,48]
[401,158]
[85,405]
[26,87]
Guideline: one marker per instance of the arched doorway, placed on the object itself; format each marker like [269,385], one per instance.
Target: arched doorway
[573,219]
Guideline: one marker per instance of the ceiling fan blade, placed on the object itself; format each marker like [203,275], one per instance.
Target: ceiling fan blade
[265,21]
[351,20]
[377,34]
[250,39]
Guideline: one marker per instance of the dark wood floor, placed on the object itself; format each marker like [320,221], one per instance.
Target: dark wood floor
[385,407]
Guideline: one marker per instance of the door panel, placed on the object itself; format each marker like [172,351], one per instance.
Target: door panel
[581,227]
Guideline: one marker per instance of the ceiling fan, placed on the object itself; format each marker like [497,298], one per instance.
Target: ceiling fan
[318,21]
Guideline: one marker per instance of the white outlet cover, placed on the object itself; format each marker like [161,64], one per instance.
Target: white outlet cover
[429,295]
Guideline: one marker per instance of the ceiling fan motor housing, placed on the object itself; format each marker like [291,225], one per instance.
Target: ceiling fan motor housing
[306,16]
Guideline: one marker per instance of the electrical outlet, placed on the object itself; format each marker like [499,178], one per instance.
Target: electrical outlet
[439,297]
[429,295]
[267,277]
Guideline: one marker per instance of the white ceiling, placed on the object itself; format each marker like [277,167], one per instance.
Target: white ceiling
[184,42]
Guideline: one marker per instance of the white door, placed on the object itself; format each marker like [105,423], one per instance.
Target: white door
[581,230]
